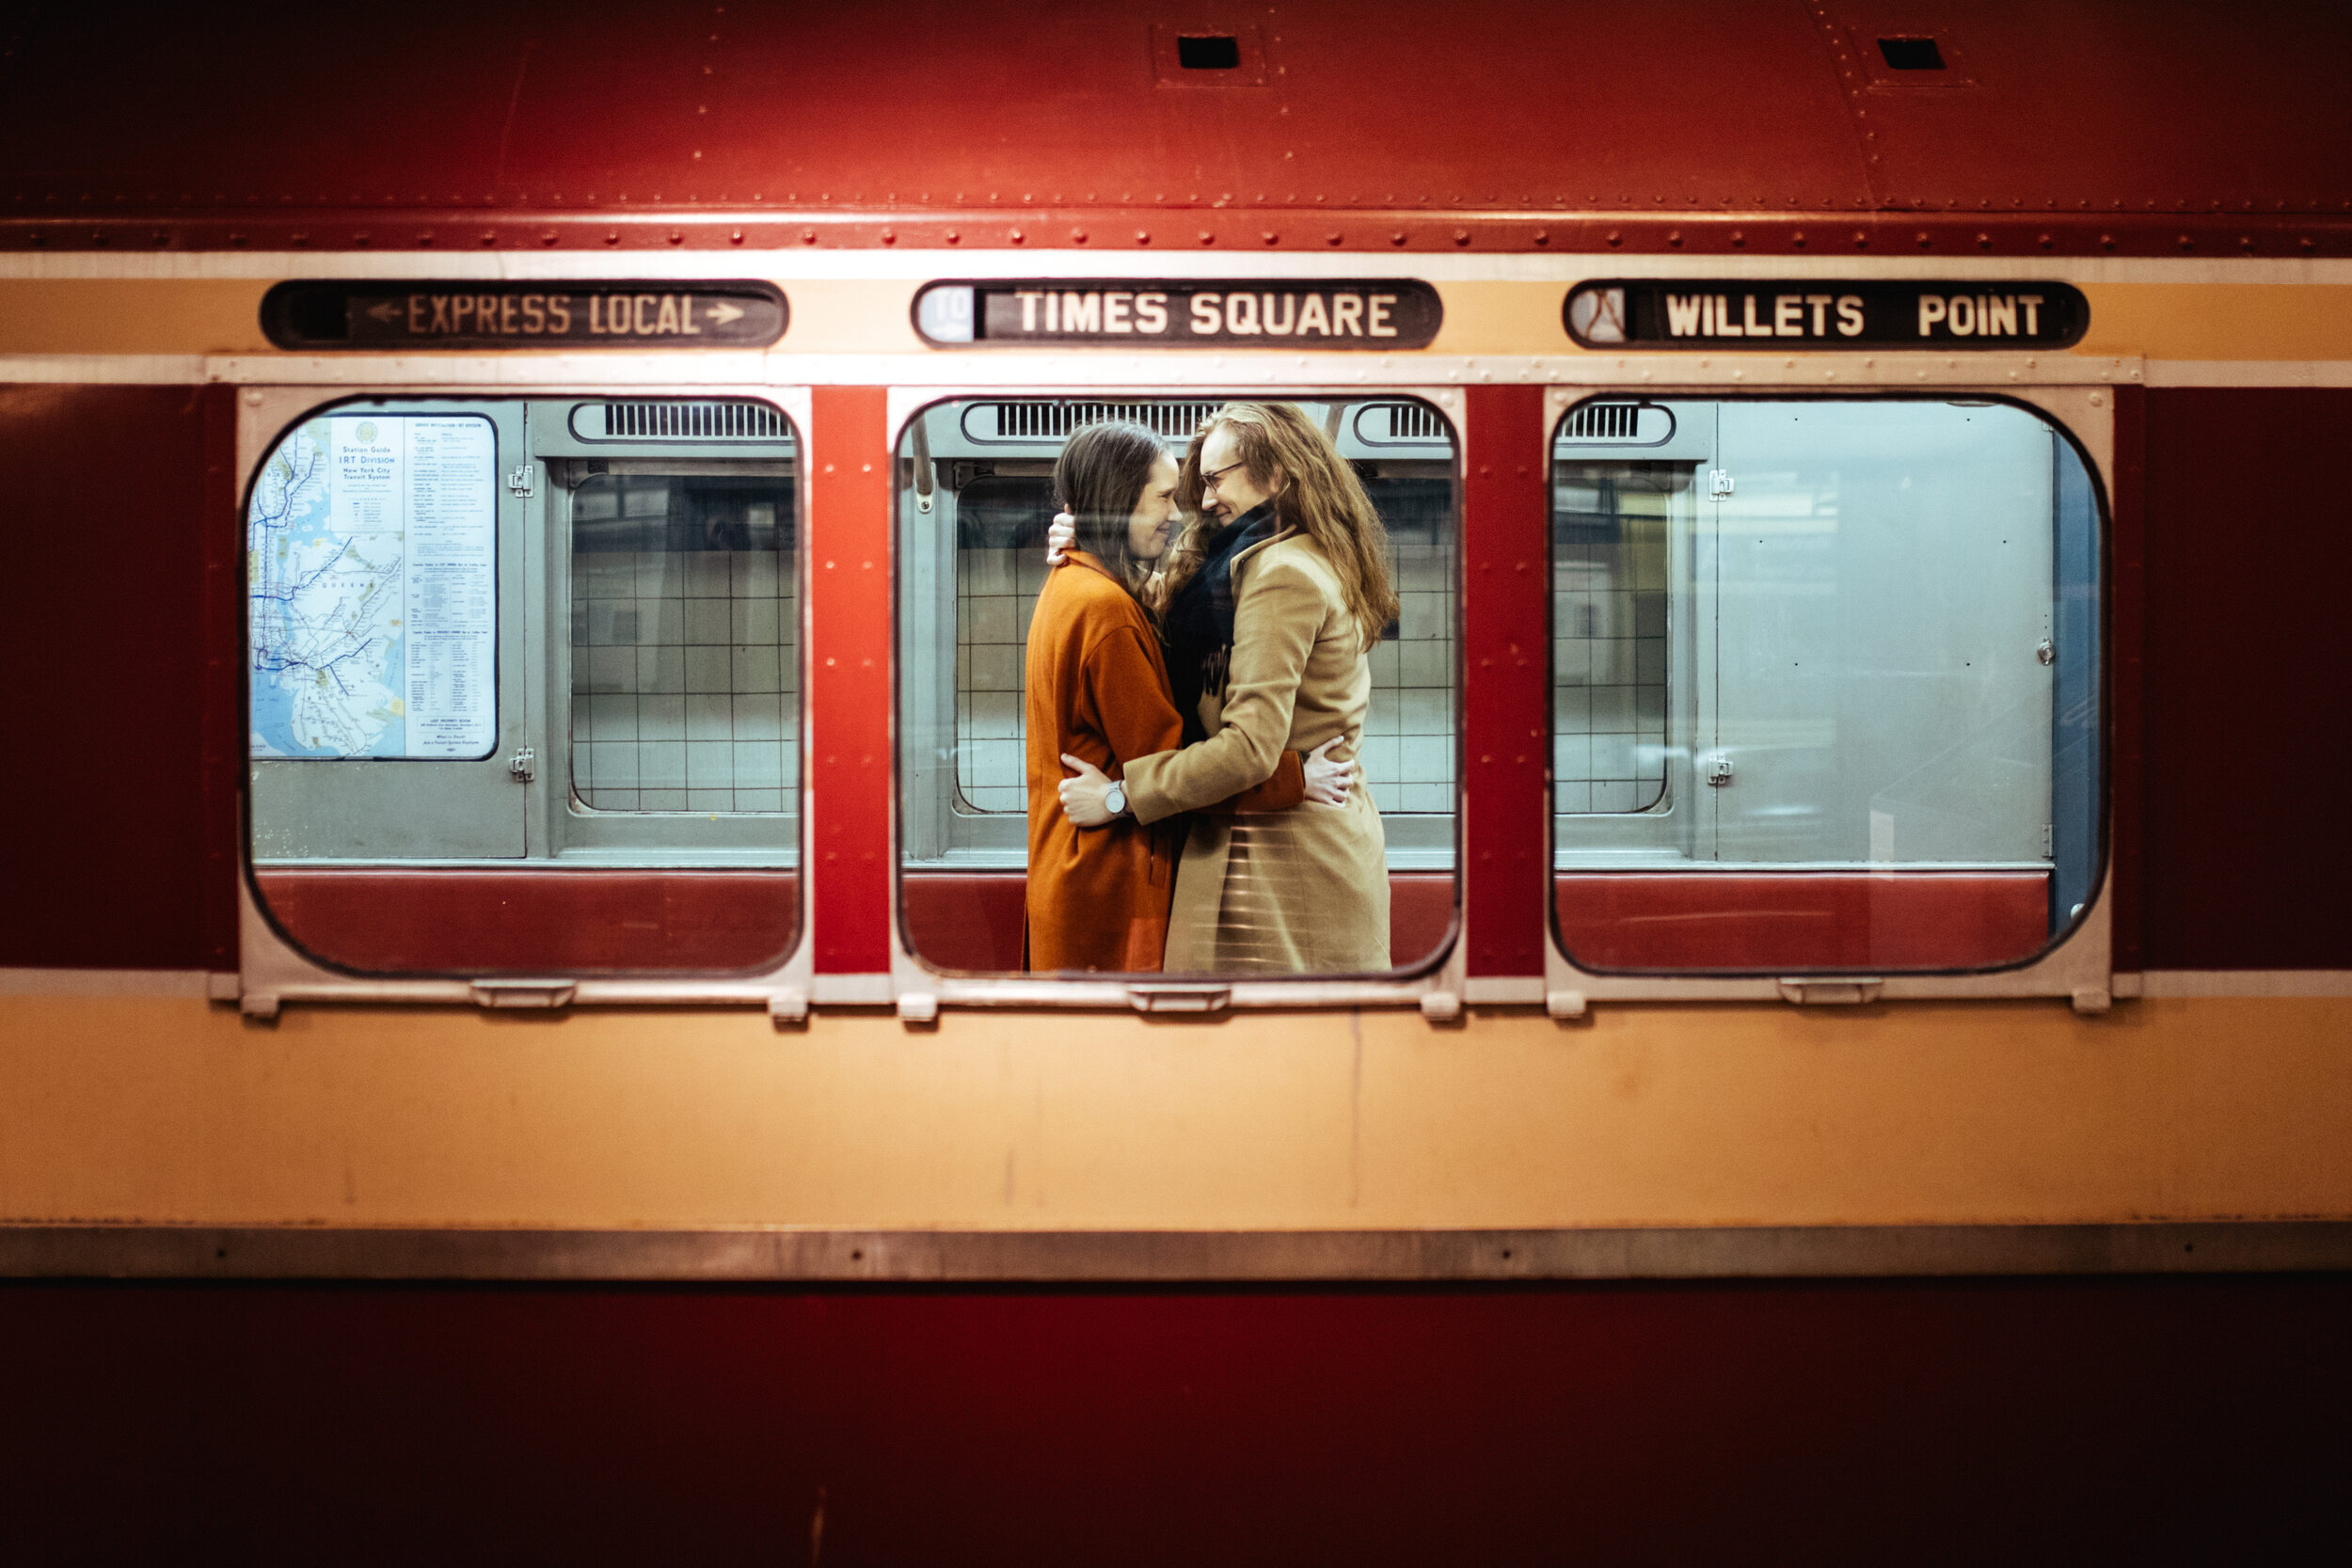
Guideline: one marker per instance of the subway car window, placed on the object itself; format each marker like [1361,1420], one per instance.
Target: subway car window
[1128,629]
[1825,685]
[524,686]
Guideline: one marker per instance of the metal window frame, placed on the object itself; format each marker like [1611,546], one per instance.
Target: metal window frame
[2076,396]
[918,991]
[273,970]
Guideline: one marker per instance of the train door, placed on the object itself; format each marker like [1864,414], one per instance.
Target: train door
[386,589]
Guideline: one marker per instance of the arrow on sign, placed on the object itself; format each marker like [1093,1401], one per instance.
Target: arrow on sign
[387,312]
[721,312]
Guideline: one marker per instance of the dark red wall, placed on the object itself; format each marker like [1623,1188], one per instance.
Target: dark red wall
[120,834]
[2100,1420]
[2246,709]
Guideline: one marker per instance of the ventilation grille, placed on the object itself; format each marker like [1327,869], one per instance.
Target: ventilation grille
[1048,421]
[1380,424]
[1415,422]
[668,420]
[1604,421]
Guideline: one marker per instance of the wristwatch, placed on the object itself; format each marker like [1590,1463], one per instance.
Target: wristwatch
[1116,801]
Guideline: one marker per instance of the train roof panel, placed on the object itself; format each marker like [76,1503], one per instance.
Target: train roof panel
[1346,119]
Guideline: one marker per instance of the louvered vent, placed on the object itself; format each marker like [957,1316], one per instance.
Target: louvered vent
[1046,421]
[672,420]
[1415,422]
[1604,421]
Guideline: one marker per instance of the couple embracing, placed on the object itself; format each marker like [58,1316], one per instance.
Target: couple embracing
[1198,673]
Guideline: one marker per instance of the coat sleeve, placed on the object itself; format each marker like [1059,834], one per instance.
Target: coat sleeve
[1275,618]
[1138,719]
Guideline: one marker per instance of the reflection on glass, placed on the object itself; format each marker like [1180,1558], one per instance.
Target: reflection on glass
[977,496]
[683,660]
[1863,677]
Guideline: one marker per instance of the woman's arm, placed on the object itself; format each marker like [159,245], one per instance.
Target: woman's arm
[1130,705]
[1276,619]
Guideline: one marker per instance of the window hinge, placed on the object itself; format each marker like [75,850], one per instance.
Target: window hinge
[520,481]
[2046,841]
[524,765]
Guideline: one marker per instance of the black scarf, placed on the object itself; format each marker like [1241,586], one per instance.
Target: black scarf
[1200,620]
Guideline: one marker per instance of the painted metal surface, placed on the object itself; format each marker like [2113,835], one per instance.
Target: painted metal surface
[1506,125]
[1505,679]
[2244,684]
[116,791]
[1927,1421]
[550,921]
[847,672]
[1145,1257]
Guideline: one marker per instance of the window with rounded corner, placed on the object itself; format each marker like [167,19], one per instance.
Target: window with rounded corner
[524,686]
[1825,685]
[1220,739]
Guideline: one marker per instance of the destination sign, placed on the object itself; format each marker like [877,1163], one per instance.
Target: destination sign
[1813,314]
[463,314]
[1130,313]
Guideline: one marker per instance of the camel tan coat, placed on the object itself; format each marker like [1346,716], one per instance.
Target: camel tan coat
[1299,890]
[1097,687]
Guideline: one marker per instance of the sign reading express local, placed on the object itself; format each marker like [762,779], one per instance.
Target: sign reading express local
[1388,314]
[559,314]
[1811,314]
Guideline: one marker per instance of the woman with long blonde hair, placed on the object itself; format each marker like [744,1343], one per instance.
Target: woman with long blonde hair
[1272,601]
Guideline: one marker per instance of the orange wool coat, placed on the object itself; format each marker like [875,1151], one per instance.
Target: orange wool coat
[1097,687]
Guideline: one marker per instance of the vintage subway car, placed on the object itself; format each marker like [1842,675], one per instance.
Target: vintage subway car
[522,541]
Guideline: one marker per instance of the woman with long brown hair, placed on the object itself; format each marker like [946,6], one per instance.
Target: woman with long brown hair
[1097,687]
[1274,599]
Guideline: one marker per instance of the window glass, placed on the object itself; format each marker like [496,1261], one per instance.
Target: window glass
[977,496]
[683,658]
[525,686]
[1860,667]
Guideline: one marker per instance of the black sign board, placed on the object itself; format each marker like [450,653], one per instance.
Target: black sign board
[463,314]
[1132,313]
[1811,314]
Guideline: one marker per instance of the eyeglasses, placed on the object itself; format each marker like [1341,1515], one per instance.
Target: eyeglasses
[1208,481]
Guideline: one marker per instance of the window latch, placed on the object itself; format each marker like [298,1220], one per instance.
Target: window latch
[1719,483]
[1166,998]
[520,481]
[524,765]
[1718,772]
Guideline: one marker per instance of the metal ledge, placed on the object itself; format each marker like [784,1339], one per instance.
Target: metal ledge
[1135,1256]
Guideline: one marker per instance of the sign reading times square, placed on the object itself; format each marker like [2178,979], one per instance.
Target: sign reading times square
[1813,314]
[1134,312]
